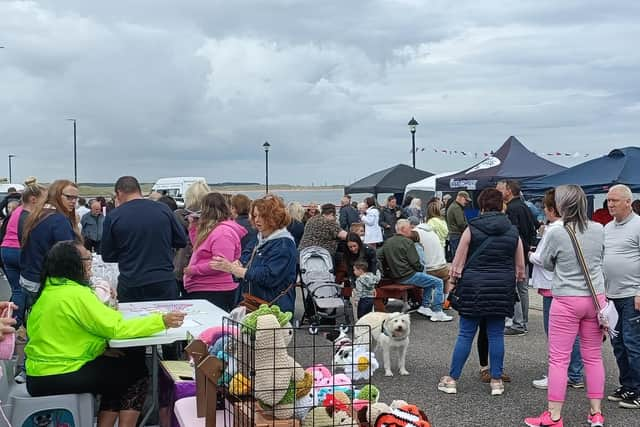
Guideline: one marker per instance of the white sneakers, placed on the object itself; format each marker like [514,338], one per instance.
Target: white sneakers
[542,383]
[437,316]
[441,317]
[425,311]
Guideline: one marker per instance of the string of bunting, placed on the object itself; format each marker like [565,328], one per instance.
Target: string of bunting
[476,154]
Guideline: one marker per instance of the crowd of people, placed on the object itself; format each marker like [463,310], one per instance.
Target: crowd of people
[226,248]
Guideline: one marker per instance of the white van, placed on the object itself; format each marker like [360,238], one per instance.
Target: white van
[176,187]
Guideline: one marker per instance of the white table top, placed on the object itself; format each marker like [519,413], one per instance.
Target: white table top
[201,315]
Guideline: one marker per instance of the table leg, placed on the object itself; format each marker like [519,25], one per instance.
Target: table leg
[154,385]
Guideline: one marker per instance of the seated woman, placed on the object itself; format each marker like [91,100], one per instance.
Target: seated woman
[69,329]
[271,272]
[358,251]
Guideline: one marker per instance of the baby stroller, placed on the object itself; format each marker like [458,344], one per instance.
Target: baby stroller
[322,296]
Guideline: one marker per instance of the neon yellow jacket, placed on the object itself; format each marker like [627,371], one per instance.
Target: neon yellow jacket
[68,327]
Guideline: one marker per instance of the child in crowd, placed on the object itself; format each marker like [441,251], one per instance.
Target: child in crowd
[365,287]
[357,228]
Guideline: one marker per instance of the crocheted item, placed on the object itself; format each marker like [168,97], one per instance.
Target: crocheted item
[369,392]
[250,322]
[303,406]
[303,387]
[240,385]
[405,416]
[276,371]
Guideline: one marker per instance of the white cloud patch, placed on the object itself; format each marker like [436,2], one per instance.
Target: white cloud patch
[195,88]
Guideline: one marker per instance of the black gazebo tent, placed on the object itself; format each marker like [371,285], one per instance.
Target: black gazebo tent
[595,176]
[512,161]
[391,180]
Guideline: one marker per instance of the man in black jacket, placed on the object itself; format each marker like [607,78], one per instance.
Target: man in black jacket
[348,214]
[389,215]
[520,215]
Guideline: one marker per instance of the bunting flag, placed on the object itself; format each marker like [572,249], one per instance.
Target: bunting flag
[490,153]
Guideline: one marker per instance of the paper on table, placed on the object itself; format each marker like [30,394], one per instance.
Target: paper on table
[190,323]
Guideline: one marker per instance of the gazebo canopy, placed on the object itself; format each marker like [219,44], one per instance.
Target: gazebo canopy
[391,180]
[595,176]
[512,161]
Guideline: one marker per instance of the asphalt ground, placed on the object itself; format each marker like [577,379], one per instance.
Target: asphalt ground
[429,357]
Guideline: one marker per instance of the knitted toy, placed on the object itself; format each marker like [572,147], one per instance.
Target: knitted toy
[357,361]
[401,415]
[276,373]
[230,369]
[239,385]
[336,410]
[325,383]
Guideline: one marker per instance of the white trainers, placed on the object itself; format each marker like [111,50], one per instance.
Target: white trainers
[21,377]
[439,316]
[425,311]
[542,383]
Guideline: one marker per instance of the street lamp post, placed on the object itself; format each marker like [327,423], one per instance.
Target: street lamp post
[412,127]
[266,147]
[75,152]
[11,156]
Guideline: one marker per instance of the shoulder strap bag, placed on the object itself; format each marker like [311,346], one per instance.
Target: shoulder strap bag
[252,302]
[607,315]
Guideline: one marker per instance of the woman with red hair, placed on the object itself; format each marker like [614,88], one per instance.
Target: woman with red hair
[271,271]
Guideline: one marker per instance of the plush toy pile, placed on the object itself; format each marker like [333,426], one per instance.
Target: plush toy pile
[317,396]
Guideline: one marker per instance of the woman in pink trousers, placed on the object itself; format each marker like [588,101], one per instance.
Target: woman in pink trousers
[573,310]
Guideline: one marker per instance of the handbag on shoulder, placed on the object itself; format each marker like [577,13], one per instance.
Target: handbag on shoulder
[607,315]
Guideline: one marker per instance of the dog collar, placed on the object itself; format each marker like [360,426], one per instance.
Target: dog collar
[385,332]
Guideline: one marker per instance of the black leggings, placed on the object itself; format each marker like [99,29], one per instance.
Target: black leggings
[226,300]
[483,343]
[120,380]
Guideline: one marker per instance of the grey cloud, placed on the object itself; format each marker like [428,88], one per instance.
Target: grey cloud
[195,87]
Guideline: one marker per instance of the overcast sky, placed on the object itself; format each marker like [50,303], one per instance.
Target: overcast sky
[170,88]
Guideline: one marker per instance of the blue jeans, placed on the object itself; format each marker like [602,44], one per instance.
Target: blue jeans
[11,261]
[576,368]
[365,305]
[428,283]
[468,328]
[454,241]
[626,346]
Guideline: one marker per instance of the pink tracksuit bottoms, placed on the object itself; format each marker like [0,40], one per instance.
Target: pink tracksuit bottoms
[570,317]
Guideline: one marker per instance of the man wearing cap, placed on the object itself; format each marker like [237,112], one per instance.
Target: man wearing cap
[456,221]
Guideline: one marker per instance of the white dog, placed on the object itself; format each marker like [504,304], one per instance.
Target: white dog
[388,330]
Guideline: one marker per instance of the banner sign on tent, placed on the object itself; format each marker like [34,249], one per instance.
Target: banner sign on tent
[469,184]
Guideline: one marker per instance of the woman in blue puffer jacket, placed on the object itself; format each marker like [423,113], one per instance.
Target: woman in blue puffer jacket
[271,272]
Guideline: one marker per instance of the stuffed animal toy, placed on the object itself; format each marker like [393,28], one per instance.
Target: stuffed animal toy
[239,385]
[336,410]
[325,383]
[210,335]
[276,373]
[399,414]
[230,367]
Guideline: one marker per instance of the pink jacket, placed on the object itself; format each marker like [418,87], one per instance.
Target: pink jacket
[223,241]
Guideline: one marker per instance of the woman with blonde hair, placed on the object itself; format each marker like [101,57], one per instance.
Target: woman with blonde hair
[296,227]
[192,202]
[52,220]
[573,312]
[194,195]
[435,220]
[213,234]
[10,247]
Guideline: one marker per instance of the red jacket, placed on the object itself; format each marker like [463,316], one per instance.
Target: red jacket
[602,216]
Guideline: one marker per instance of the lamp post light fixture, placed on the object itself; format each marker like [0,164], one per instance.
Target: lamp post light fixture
[412,127]
[75,152]
[266,147]
[11,156]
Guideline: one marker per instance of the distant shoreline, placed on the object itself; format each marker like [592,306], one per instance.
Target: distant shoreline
[99,190]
